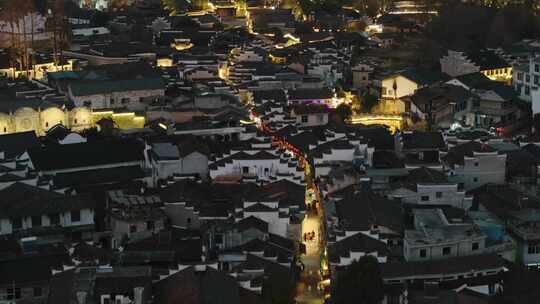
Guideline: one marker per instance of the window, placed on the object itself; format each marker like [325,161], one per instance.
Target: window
[125,100]
[36,221]
[132,228]
[245,170]
[476,164]
[54,219]
[423,253]
[475,246]
[47,124]
[527,78]
[536,79]
[383,90]
[320,118]
[533,249]
[304,118]
[37,292]
[16,223]
[438,194]
[527,90]
[150,225]
[446,251]
[75,121]
[106,301]
[475,179]
[537,68]
[5,129]
[75,216]
[425,198]
[520,76]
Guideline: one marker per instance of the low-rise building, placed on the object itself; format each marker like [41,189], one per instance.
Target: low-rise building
[439,235]
[474,164]
[457,63]
[30,210]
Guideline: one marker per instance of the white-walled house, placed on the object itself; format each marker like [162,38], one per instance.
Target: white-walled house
[270,213]
[405,83]
[259,165]
[310,115]
[105,94]
[474,164]
[456,63]
[425,186]
[27,209]
[436,236]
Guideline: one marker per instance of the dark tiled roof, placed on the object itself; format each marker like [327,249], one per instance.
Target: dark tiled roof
[285,191]
[25,270]
[88,154]
[501,200]
[423,77]
[305,94]
[205,287]
[17,143]
[423,140]
[445,266]
[487,60]
[456,155]
[358,242]
[311,109]
[252,222]
[361,210]
[386,160]
[258,207]
[97,176]
[534,150]
[21,199]
[476,81]
[87,88]
[186,244]
[425,175]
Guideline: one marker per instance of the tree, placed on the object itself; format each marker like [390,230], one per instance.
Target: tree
[367,102]
[279,288]
[360,283]
[344,112]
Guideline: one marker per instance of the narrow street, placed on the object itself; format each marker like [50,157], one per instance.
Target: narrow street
[308,287]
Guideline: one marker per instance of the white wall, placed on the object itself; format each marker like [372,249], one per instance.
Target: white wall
[87,218]
[404,87]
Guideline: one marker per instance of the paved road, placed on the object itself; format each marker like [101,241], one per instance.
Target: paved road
[307,287]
